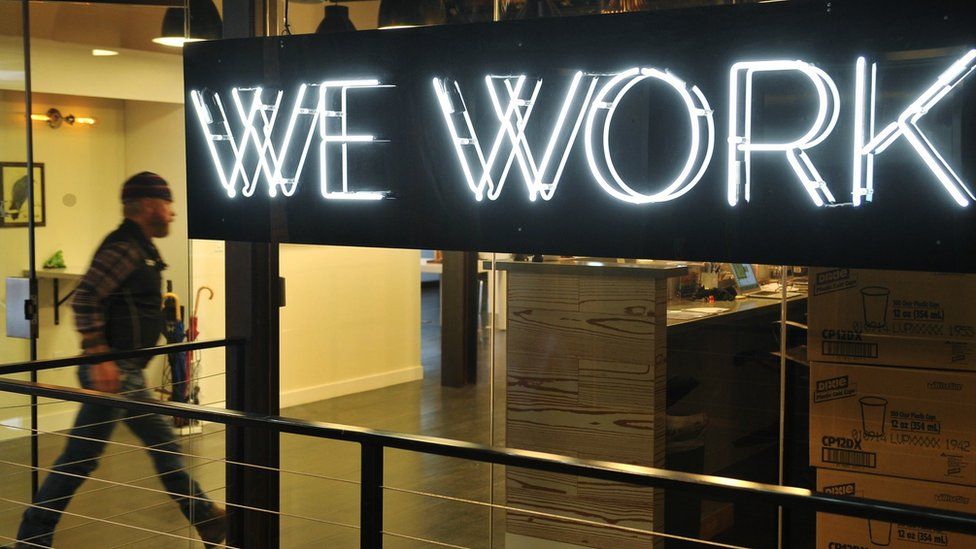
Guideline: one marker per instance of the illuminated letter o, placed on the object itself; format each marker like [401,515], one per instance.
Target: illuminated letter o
[698,159]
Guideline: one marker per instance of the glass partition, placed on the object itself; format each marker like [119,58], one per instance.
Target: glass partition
[107,103]
[698,366]
[845,381]
[15,416]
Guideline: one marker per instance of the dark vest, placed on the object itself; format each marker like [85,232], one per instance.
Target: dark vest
[133,312]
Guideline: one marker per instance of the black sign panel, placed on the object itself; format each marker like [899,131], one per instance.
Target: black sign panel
[783,133]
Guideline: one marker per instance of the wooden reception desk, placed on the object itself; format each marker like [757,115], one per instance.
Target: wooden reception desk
[586,359]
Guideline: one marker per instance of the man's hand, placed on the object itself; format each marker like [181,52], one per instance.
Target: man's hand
[105,377]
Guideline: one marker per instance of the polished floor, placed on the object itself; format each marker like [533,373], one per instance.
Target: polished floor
[319,497]
[429,501]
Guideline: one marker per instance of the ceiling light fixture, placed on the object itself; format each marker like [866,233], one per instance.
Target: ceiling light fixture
[336,20]
[411,13]
[205,24]
[97,52]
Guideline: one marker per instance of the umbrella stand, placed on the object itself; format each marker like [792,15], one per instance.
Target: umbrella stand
[179,384]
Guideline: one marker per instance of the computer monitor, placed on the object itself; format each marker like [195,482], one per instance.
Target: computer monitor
[745,277]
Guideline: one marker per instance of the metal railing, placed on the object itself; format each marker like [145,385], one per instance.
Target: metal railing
[373,443]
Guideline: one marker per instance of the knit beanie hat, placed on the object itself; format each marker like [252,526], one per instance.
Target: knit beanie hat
[145,185]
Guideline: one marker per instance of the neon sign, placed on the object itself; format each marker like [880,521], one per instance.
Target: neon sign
[699,114]
[741,146]
[256,132]
[519,108]
[907,126]
[256,149]
[783,133]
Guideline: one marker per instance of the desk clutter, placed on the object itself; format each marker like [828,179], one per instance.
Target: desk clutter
[729,281]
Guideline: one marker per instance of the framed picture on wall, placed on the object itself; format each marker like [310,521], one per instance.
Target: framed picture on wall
[13,195]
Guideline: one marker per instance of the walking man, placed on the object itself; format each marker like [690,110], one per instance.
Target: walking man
[118,307]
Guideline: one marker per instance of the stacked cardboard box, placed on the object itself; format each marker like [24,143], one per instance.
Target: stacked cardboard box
[839,531]
[893,398]
[902,422]
[893,318]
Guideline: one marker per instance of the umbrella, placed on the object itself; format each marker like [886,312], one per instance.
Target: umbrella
[193,357]
[175,332]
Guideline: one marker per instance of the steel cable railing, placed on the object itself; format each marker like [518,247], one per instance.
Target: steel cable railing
[128,484]
[87,520]
[558,517]
[131,448]
[135,448]
[374,442]
[103,521]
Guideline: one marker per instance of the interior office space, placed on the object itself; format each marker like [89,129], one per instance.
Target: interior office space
[710,358]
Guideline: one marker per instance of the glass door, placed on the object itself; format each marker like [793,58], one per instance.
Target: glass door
[15,212]
[105,102]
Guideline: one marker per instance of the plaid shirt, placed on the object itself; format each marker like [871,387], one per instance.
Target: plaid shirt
[112,265]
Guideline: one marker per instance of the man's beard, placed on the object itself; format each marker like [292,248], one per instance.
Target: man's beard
[160,228]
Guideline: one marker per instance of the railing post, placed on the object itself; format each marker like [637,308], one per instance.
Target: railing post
[371,496]
[235,448]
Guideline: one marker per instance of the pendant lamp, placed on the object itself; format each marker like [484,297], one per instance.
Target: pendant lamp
[336,20]
[411,13]
[205,24]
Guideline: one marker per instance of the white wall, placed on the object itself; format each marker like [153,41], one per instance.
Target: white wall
[207,270]
[84,170]
[352,321]
[83,166]
[13,254]
[13,242]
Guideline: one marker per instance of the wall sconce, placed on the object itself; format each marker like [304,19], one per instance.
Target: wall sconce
[54,119]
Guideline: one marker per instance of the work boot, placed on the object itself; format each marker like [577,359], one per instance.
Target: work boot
[213,528]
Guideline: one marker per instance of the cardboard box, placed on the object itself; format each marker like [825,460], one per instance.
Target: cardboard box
[892,318]
[905,422]
[835,531]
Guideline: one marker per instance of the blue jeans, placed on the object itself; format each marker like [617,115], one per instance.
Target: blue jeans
[80,457]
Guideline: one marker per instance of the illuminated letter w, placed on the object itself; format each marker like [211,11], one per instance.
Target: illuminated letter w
[513,102]
[240,142]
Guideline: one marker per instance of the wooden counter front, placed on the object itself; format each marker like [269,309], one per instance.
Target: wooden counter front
[586,366]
